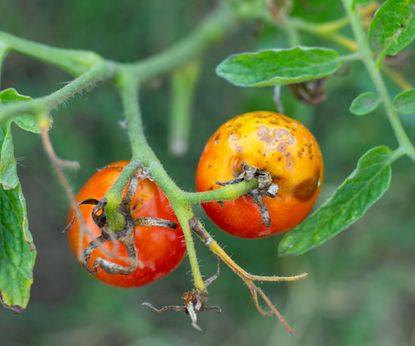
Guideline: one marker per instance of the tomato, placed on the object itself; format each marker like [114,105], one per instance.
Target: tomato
[160,250]
[273,143]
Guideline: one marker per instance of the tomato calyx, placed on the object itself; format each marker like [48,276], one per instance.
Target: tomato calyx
[194,302]
[266,188]
[125,236]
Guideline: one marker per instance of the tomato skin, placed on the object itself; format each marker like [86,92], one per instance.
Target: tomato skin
[160,249]
[271,142]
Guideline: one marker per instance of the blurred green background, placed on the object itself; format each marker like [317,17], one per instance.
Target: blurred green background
[361,289]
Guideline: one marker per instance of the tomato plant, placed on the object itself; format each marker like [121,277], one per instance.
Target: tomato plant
[275,145]
[159,250]
[260,173]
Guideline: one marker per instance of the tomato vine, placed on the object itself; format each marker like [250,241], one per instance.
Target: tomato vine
[314,63]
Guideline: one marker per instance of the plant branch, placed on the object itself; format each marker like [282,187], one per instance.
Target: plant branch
[249,279]
[215,27]
[143,154]
[375,75]
[47,103]
[3,53]
[74,62]
[183,86]
[228,192]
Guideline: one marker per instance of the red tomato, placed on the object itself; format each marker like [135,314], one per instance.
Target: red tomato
[271,142]
[159,249]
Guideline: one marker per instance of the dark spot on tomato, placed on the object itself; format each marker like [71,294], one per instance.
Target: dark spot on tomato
[307,188]
[289,163]
[217,138]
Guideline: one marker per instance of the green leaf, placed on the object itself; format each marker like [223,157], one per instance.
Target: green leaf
[393,27]
[25,121]
[367,183]
[364,103]
[8,174]
[17,252]
[279,66]
[405,102]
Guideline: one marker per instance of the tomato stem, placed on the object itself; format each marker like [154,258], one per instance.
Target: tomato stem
[141,152]
[116,221]
[225,193]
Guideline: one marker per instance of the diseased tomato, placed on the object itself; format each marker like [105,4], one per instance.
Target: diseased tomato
[159,249]
[273,143]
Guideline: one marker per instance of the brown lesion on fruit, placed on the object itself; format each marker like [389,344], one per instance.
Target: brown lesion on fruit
[309,151]
[301,152]
[216,139]
[276,139]
[194,302]
[305,190]
[289,162]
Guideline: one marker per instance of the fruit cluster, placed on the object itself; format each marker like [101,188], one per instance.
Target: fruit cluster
[275,150]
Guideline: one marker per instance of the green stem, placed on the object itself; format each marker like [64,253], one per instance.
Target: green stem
[183,87]
[227,193]
[145,155]
[396,154]
[350,57]
[73,61]
[325,30]
[3,53]
[292,33]
[214,28]
[319,28]
[377,79]
[115,219]
[96,74]
[94,69]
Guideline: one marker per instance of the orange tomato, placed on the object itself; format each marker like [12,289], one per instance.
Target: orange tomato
[271,142]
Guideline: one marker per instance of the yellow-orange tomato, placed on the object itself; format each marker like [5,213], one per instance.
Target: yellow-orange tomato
[159,249]
[271,142]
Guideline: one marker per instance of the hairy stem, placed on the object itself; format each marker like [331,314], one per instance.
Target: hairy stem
[228,192]
[74,62]
[144,154]
[45,104]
